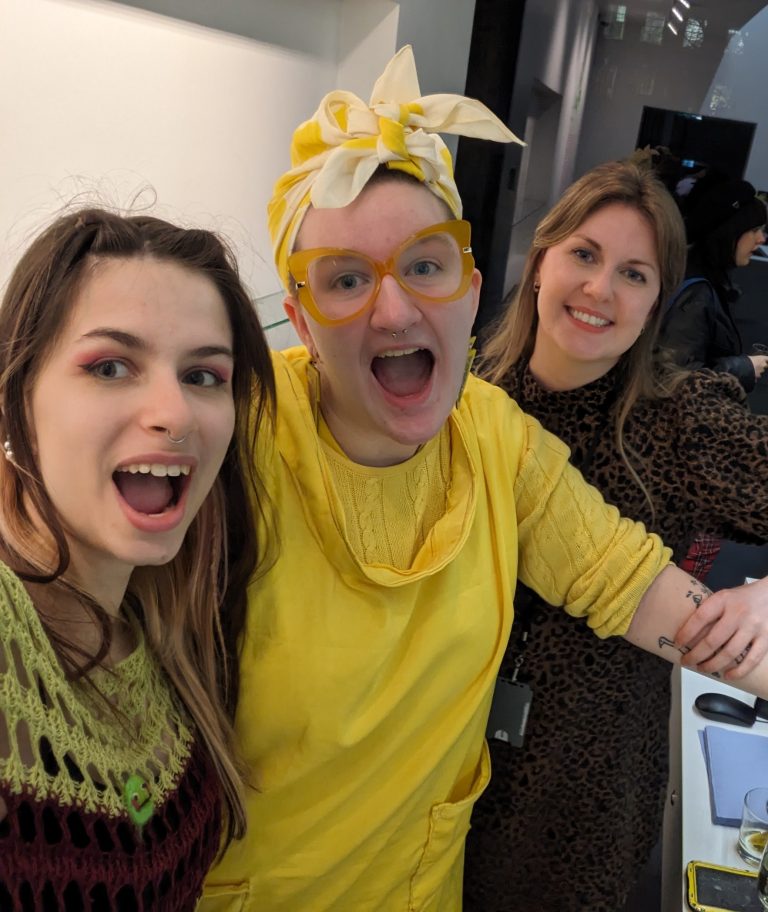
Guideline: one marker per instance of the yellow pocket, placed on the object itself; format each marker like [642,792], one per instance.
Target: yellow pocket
[437,881]
[224,897]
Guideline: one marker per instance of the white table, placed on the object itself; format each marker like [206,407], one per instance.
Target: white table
[689,834]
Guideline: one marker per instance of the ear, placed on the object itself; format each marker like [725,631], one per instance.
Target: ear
[299,322]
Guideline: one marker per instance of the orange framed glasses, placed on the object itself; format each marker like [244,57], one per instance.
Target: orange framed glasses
[336,285]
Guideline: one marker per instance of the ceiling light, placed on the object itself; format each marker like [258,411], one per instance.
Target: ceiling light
[686,4]
[675,12]
[671,28]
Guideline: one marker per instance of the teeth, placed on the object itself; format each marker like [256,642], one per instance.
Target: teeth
[156,468]
[397,354]
[588,318]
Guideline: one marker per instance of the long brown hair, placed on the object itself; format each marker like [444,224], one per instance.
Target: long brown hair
[512,340]
[193,608]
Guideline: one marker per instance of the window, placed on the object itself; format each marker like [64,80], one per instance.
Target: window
[617,16]
[653,30]
[694,33]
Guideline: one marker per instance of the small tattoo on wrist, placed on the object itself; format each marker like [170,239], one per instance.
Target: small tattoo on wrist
[665,641]
[699,594]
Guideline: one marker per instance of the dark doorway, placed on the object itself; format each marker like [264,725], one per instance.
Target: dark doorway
[486,172]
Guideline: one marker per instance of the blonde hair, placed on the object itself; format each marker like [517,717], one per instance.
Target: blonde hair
[193,608]
[513,338]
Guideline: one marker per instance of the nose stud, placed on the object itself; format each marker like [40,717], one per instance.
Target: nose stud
[176,440]
[396,334]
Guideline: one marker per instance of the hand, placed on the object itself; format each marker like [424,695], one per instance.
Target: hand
[759,362]
[728,632]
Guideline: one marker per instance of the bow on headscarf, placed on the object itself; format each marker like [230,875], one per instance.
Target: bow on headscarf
[335,152]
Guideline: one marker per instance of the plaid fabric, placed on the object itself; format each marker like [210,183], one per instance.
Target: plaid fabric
[700,557]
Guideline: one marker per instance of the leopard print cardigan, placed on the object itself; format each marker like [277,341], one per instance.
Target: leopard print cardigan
[569,819]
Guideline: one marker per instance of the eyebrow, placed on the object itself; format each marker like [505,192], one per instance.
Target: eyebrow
[597,246]
[128,340]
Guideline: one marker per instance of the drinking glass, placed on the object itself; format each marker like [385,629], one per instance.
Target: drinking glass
[753,832]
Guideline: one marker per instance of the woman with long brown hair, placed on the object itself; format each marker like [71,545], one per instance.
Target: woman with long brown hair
[134,378]
[571,817]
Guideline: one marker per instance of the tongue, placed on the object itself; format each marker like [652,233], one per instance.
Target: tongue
[144,493]
[405,375]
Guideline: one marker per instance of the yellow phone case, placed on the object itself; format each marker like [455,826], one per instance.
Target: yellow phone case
[693,899]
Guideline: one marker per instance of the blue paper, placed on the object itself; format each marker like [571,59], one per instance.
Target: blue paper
[736,762]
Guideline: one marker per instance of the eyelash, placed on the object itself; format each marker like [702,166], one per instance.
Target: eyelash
[94,366]
[637,278]
[586,256]
[583,255]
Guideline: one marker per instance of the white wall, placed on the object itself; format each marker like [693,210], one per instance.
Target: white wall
[441,33]
[108,99]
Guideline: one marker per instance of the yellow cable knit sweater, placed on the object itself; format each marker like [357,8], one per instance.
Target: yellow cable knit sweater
[368,666]
[389,511]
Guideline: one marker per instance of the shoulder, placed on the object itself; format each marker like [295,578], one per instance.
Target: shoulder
[712,390]
[16,606]
[491,409]
[704,409]
[501,425]
[695,292]
[290,362]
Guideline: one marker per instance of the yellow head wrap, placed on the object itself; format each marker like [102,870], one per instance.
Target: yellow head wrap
[335,152]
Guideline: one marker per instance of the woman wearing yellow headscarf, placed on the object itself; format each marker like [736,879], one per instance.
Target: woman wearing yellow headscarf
[410,498]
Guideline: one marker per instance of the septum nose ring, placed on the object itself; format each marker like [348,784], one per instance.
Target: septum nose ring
[396,334]
[176,440]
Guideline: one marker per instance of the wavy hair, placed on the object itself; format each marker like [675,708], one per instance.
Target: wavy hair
[193,608]
[641,375]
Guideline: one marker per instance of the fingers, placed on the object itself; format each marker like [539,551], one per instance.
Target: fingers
[747,660]
[734,659]
[731,656]
[727,635]
[708,612]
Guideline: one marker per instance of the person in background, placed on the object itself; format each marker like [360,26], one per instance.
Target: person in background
[411,497]
[134,379]
[725,223]
[571,816]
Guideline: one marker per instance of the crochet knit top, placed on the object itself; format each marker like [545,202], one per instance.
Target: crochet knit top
[110,802]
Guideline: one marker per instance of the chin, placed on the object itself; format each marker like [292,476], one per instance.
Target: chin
[417,432]
[155,555]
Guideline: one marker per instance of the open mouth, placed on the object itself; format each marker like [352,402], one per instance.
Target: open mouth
[404,373]
[153,488]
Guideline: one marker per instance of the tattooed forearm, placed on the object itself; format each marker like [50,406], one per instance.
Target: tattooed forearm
[697,593]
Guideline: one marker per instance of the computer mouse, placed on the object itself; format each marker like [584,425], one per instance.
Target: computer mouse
[722,708]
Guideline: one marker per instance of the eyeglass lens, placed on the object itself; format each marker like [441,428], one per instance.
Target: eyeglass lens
[430,267]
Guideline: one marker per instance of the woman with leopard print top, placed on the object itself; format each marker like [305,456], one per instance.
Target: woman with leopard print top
[570,818]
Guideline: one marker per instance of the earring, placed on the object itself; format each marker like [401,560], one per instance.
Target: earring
[536,287]
[7,450]
[471,353]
